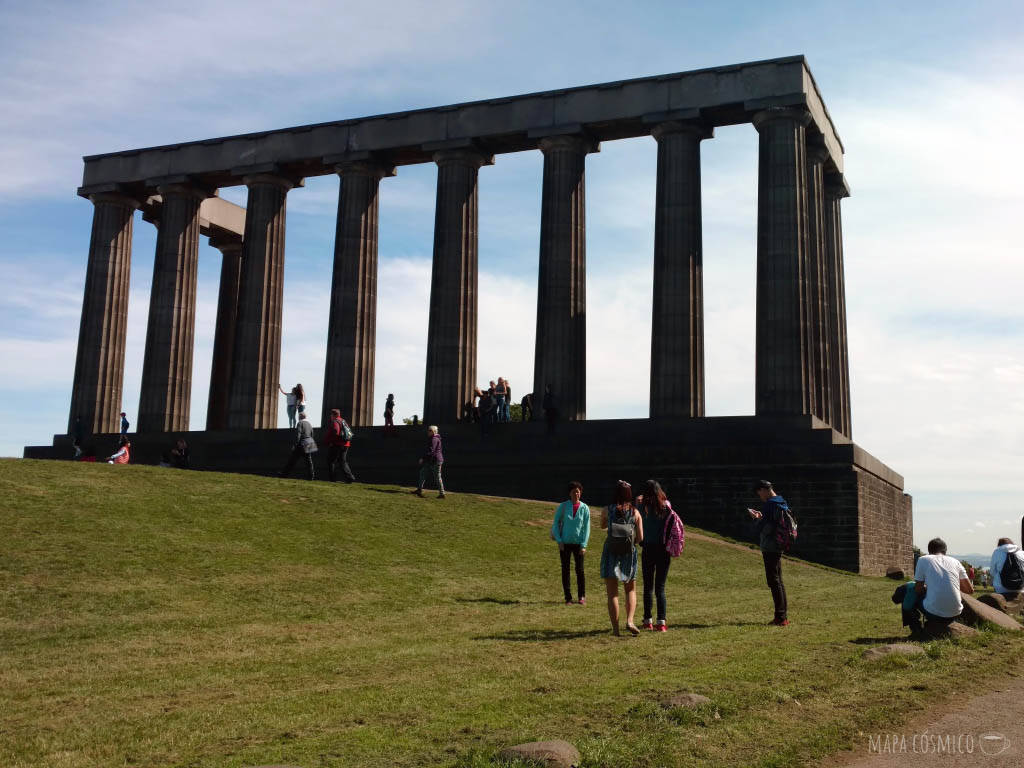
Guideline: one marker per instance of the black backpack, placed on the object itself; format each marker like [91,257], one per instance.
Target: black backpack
[621,532]
[1011,574]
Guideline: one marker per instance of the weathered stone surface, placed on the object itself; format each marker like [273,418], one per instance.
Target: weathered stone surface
[976,611]
[895,573]
[557,753]
[954,630]
[839,361]
[892,649]
[686,700]
[224,333]
[994,600]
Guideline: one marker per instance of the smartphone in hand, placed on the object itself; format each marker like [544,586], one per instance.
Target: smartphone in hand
[754,513]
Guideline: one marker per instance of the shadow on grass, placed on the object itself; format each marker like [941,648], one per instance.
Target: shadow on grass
[494,600]
[721,624]
[877,640]
[542,635]
[388,490]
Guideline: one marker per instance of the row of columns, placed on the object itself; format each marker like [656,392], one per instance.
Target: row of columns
[801,363]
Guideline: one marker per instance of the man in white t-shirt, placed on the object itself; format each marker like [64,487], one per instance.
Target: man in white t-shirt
[1004,549]
[938,581]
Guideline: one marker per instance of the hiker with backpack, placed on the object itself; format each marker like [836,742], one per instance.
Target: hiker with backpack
[1007,568]
[664,538]
[570,529]
[338,440]
[776,531]
[618,558]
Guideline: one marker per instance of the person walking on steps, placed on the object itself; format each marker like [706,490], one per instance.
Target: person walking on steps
[430,463]
[305,447]
[338,440]
[571,531]
[618,558]
[773,506]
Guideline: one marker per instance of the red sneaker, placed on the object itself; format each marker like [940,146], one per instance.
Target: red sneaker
[661,628]
[780,622]
[648,624]
[583,601]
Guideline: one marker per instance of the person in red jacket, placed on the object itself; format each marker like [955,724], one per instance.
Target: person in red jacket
[337,447]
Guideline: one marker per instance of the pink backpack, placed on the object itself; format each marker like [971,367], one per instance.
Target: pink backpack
[675,534]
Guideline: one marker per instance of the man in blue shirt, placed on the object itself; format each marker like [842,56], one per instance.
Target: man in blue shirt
[771,552]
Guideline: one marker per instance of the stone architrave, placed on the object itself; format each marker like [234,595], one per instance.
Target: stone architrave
[224,332]
[452,329]
[817,283]
[560,357]
[166,393]
[99,364]
[839,363]
[352,326]
[256,358]
[782,371]
[677,322]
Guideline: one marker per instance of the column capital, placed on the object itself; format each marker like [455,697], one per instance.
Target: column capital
[473,158]
[836,187]
[370,168]
[794,114]
[568,142]
[186,189]
[693,127]
[817,152]
[268,173]
[227,245]
[114,198]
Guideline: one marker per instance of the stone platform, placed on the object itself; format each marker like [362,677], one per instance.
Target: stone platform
[850,507]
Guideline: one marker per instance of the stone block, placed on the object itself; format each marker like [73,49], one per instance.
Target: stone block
[555,754]
[976,612]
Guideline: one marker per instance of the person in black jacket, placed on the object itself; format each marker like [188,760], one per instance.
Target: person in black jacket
[767,518]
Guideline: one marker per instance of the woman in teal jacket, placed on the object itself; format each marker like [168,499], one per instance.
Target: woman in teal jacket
[571,529]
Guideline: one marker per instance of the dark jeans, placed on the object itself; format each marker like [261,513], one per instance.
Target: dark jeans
[655,563]
[773,575]
[581,576]
[298,452]
[912,618]
[338,454]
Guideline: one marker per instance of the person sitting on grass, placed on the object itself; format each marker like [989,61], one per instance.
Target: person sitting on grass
[571,530]
[122,455]
[938,581]
[618,558]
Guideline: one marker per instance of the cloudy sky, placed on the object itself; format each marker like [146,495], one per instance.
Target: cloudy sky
[926,97]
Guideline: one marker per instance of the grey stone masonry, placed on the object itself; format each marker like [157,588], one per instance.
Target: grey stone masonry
[452,329]
[839,363]
[352,324]
[817,284]
[99,364]
[166,392]
[677,322]
[224,332]
[782,369]
[560,359]
[256,358]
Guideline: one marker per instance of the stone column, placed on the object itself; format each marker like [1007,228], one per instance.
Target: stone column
[783,375]
[677,323]
[224,333]
[835,191]
[166,393]
[817,283]
[352,327]
[560,359]
[99,364]
[256,358]
[451,334]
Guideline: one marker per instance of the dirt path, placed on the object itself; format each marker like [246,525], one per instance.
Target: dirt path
[986,730]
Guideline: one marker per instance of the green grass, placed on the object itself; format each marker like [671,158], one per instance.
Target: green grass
[155,617]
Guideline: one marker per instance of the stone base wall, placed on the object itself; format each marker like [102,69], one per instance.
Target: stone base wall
[851,510]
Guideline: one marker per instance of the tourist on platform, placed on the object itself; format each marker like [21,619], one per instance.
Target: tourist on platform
[338,441]
[499,400]
[415,420]
[430,463]
[122,455]
[767,519]
[1006,549]
[618,558]
[300,399]
[508,401]
[938,582]
[124,424]
[389,416]
[77,435]
[526,406]
[305,447]
[291,405]
[477,397]
[659,520]
[571,531]
[488,407]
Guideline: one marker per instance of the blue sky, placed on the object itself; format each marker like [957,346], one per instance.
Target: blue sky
[925,96]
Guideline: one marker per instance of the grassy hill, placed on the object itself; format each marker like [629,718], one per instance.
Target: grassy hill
[156,617]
